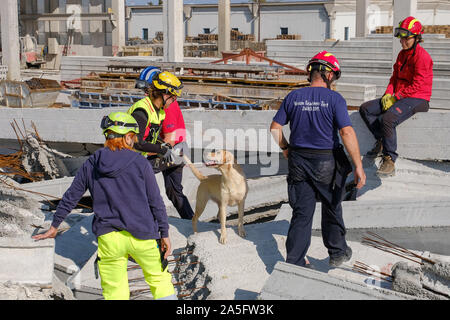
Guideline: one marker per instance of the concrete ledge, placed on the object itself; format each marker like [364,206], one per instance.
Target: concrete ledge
[424,136]
[380,214]
[75,247]
[291,282]
[25,261]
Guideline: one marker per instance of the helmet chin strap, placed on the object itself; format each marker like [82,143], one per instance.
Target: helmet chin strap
[416,41]
[165,101]
[326,80]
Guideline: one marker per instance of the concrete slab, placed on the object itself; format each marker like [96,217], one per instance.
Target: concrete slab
[424,136]
[75,247]
[291,282]
[240,268]
[417,196]
[262,191]
[83,281]
[376,214]
[25,261]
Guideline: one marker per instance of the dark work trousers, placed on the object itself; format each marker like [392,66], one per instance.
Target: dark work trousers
[311,177]
[383,124]
[174,191]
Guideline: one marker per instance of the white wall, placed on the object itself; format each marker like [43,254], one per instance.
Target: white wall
[311,22]
[428,17]
[241,18]
[204,18]
[344,19]
[385,18]
[145,18]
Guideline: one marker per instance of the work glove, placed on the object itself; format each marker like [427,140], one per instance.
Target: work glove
[387,101]
[166,152]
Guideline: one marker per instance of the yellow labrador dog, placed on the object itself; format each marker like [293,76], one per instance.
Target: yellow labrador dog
[227,189]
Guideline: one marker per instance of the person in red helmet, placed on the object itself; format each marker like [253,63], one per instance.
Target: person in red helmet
[408,92]
[317,164]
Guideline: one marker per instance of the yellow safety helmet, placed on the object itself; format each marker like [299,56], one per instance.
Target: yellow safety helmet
[166,81]
[120,123]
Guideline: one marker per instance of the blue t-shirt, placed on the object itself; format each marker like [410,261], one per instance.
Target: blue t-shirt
[315,115]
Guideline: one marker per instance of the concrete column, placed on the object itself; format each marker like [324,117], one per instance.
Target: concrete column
[331,11]
[187,9]
[224,26]
[41,24]
[402,9]
[253,7]
[62,24]
[118,31]
[173,29]
[10,38]
[362,28]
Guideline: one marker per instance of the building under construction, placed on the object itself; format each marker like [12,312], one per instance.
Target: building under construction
[62,71]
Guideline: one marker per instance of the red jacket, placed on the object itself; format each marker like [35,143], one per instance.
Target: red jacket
[413,75]
[174,122]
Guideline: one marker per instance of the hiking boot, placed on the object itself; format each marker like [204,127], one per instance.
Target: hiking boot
[376,150]
[337,261]
[387,167]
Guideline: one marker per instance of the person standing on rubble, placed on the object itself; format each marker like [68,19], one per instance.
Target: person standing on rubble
[408,92]
[163,132]
[129,214]
[317,164]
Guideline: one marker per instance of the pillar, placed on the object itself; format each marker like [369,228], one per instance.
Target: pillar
[173,30]
[331,11]
[10,38]
[402,9]
[224,26]
[253,7]
[41,24]
[187,9]
[118,31]
[361,27]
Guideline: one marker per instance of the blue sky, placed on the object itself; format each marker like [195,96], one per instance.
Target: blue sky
[143,2]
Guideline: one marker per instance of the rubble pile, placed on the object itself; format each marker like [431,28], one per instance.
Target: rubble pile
[426,281]
[19,213]
[58,291]
[192,276]
[38,157]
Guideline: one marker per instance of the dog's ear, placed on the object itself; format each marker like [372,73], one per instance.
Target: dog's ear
[228,157]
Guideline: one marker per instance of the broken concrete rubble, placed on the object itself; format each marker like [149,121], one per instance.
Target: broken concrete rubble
[240,269]
[436,277]
[58,291]
[410,280]
[291,282]
[18,213]
[37,157]
[27,266]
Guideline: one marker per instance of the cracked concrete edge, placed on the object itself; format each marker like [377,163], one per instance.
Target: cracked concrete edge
[287,281]
[26,261]
[373,214]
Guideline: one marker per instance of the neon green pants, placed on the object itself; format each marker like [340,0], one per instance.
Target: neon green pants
[113,251]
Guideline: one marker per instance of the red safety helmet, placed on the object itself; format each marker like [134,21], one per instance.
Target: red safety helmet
[326,61]
[408,27]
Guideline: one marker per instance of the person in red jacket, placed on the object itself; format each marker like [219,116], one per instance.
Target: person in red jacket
[173,132]
[408,92]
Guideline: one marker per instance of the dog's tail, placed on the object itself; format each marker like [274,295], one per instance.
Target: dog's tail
[194,169]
